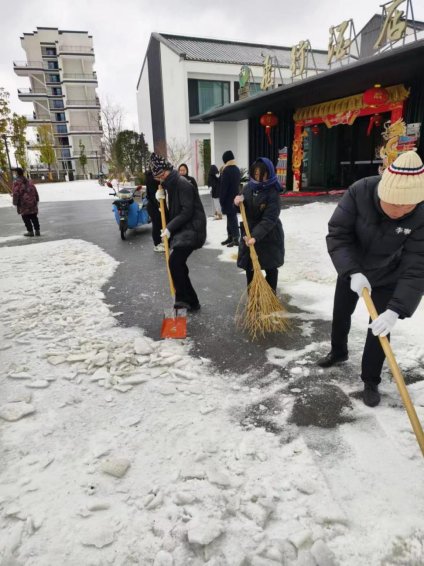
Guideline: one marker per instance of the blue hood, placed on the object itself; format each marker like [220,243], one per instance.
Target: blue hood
[272,177]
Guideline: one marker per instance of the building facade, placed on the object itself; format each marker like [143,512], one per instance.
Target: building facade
[336,124]
[184,77]
[60,68]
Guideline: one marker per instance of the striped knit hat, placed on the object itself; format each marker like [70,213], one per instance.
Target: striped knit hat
[403,181]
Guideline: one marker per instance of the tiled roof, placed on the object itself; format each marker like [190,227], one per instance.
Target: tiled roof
[218,51]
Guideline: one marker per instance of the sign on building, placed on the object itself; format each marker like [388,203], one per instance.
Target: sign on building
[342,38]
[268,74]
[394,25]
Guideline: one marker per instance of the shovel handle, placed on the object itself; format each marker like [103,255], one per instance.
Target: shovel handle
[166,245]
[400,382]
[253,254]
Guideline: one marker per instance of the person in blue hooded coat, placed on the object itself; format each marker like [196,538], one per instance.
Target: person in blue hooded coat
[261,199]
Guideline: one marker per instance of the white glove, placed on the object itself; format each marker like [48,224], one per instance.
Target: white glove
[384,323]
[165,233]
[358,282]
[160,194]
[238,199]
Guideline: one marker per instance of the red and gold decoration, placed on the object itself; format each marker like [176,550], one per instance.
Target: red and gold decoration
[269,121]
[373,102]
[375,96]
[315,129]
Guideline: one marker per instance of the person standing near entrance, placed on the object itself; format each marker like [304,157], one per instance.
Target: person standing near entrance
[153,209]
[214,184]
[229,188]
[25,198]
[183,171]
[185,229]
[376,241]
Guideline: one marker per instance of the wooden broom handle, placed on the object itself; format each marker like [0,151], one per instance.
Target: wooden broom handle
[166,243]
[253,254]
[391,360]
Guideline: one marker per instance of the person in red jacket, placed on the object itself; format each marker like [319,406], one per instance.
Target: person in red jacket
[25,198]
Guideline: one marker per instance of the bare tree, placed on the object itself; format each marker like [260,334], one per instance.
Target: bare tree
[112,116]
[177,151]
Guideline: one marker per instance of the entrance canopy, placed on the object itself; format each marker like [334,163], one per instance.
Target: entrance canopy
[395,66]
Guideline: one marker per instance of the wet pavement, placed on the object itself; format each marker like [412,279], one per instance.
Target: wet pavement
[138,294]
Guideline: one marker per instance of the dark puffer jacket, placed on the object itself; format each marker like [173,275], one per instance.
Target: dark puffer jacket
[187,218]
[25,196]
[262,205]
[229,187]
[362,239]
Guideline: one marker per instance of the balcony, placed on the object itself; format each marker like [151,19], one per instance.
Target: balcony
[83,103]
[75,51]
[80,77]
[38,120]
[25,68]
[85,128]
[28,94]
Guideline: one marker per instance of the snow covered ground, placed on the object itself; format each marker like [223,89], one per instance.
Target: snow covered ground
[120,450]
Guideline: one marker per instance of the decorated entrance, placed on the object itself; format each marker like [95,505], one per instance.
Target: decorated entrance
[368,111]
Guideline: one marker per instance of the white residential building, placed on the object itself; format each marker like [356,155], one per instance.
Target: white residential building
[62,90]
[183,77]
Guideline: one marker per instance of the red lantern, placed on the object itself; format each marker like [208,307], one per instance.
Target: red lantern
[268,120]
[315,129]
[375,96]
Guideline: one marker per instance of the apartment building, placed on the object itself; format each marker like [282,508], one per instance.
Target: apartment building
[59,65]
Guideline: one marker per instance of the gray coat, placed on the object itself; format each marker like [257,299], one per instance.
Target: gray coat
[362,239]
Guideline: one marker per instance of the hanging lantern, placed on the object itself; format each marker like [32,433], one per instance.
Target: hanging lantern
[268,120]
[375,96]
[315,129]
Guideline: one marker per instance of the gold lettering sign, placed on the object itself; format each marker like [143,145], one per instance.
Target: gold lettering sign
[299,56]
[338,46]
[267,80]
[393,28]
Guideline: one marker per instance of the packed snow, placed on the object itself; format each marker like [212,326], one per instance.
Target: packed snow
[121,450]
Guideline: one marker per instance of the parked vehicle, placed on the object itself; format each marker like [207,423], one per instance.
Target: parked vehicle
[130,208]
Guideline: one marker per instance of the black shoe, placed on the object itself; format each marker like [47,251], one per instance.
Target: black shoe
[332,359]
[196,307]
[37,233]
[234,242]
[227,241]
[29,234]
[181,305]
[371,395]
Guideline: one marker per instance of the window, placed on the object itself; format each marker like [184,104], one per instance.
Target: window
[63,141]
[53,78]
[52,65]
[50,51]
[66,153]
[60,117]
[205,95]
[61,129]
[57,104]
[56,91]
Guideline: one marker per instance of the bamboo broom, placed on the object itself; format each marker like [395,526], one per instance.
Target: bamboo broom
[259,310]
[391,360]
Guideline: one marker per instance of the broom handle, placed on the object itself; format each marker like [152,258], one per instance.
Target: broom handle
[391,360]
[166,244]
[253,254]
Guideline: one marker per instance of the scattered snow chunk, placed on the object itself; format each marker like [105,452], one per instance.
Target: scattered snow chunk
[322,554]
[203,530]
[163,558]
[116,467]
[16,411]
[38,384]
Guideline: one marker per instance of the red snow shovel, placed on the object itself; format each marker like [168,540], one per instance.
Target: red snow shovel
[174,323]
[385,344]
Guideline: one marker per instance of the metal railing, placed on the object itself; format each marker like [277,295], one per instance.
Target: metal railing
[82,102]
[29,64]
[42,118]
[75,49]
[84,128]
[31,91]
[80,76]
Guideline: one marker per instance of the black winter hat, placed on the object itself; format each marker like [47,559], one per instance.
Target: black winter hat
[159,164]
[227,156]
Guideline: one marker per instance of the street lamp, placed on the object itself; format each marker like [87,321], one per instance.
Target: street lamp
[4,136]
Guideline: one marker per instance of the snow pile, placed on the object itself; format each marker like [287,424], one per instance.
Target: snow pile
[122,450]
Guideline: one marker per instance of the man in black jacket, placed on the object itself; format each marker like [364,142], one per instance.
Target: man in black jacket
[185,229]
[152,208]
[376,241]
[229,188]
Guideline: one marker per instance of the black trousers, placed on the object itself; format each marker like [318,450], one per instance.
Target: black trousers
[154,214]
[31,222]
[233,229]
[184,290]
[345,301]
[271,275]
